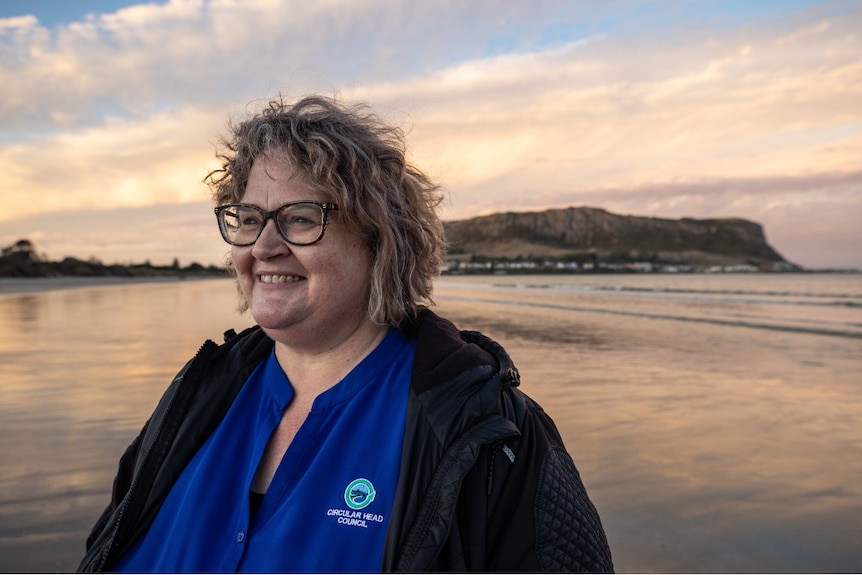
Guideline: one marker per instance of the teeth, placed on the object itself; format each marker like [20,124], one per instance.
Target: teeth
[275,279]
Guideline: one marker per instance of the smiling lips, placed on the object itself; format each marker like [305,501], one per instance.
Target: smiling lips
[278,279]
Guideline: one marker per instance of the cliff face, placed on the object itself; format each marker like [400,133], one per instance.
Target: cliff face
[590,232]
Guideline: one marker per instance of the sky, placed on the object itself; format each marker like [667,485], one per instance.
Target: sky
[111,111]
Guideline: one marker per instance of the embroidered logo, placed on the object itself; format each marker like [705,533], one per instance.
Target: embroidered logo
[359,494]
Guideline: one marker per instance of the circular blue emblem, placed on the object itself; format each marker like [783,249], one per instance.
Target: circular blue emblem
[359,494]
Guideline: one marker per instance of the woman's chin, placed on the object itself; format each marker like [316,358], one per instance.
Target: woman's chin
[272,317]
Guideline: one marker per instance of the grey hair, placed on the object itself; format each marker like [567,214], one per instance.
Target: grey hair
[351,157]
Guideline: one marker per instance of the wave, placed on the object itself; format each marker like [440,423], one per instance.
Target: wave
[696,294]
[736,323]
[709,295]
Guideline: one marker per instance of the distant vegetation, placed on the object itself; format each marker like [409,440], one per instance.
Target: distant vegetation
[22,260]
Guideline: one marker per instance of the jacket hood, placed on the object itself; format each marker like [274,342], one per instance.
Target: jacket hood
[443,351]
[457,375]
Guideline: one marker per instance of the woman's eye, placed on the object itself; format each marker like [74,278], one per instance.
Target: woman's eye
[249,220]
[301,216]
[299,220]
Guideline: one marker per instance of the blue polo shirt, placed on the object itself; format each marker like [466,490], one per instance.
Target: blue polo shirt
[327,508]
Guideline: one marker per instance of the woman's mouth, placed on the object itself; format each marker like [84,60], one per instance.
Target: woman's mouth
[278,279]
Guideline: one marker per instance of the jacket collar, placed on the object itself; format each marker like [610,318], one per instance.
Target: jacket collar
[457,375]
[443,352]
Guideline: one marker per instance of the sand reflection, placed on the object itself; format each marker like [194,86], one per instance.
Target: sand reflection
[82,370]
[706,448]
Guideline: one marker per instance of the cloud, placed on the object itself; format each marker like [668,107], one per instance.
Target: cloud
[149,56]
[577,114]
[118,163]
[510,106]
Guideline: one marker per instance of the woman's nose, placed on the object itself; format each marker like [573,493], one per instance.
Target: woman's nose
[269,243]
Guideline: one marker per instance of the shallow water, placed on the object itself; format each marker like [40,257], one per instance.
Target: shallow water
[82,369]
[716,431]
[716,420]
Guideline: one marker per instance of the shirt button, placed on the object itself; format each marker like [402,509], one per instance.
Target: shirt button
[240,536]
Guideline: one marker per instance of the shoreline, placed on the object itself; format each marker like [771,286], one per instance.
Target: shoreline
[10,286]
[24,285]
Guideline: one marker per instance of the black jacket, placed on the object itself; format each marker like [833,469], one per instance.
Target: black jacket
[485,482]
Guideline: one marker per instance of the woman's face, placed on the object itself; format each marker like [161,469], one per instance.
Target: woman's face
[301,295]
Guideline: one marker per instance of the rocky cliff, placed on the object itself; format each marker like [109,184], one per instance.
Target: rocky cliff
[591,234]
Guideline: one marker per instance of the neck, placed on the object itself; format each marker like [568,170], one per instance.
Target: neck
[314,369]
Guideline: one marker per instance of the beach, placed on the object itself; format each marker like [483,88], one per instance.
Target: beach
[714,421]
[707,446]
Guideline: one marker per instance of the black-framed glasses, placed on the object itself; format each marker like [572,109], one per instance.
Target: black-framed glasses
[299,223]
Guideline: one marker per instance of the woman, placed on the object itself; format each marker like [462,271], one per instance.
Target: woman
[351,429]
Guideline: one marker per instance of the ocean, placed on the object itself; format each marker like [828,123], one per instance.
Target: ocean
[716,420]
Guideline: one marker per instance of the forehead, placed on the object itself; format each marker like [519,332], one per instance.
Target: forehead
[275,179]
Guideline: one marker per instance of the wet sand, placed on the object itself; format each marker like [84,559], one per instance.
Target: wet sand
[705,447]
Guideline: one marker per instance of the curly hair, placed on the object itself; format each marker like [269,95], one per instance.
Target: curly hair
[351,157]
